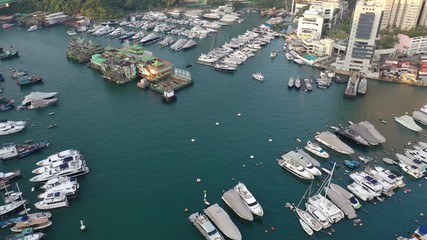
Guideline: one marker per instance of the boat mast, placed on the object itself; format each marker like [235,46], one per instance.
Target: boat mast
[26,210]
[308,191]
[327,181]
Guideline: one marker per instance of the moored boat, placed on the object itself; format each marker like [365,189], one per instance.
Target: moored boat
[333,142]
[26,234]
[306,228]
[294,168]
[346,194]
[237,204]
[408,122]
[205,227]
[59,156]
[258,76]
[291,82]
[309,219]
[249,199]
[53,200]
[221,219]
[316,150]
[363,86]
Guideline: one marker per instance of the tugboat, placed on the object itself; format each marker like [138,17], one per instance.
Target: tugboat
[168,96]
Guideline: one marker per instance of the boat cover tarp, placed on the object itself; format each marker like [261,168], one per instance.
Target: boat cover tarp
[333,140]
[343,203]
[408,122]
[341,191]
[364,133]
[419,116]
[35,96]
[221,219]
[373,131]
[309,158]
[423,229]
[233,199]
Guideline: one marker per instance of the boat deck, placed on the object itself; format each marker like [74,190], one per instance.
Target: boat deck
[351,90]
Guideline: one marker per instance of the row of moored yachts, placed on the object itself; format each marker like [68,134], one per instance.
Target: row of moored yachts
[237,50]
[58,174]
[241,201]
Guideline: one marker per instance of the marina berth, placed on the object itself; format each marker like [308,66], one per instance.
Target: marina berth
[347,195]
[310,220]
[304,162]
[420,117]
[53,200]
[316,149]
[237,204]
[319,216]
[408,122]
[343,203]
[330,140]
[295,168]
[308,158]
[205,227]
[364,133]
[59,157]
[373,131]
[352,135]
[10,127]
[249,199]
[221,219]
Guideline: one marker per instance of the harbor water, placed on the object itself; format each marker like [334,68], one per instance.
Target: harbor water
[144,166]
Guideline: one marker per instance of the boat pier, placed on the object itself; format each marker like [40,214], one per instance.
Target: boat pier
[351,89]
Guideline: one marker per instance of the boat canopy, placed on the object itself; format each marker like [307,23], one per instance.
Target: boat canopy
[36,96]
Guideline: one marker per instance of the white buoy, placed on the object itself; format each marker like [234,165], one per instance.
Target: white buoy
[198,180]
[270,140]
[32,189]
[252,156]
[204,196]
[244,165]
[239,114]
[82,226]
[193,140]
[217,123]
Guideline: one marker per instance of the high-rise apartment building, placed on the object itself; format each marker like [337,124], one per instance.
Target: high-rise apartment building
[401,14]
[361,44]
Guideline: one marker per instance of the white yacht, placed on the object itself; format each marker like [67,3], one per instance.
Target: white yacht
[408,122]
[309,158]
[205,227]
[11,196]
[304,162]
[7,208]
[58,157]
[37,96]
[47,168]
[360,191]
[71,169]
[8,151]
[10,127]
[393,177]
[316,150]
[320,217]
[249,199]
[368,182]
[53,200]
[411,170]
[420,154]
[423,109]
[411,161]
[258,76]
[273,53]
[69,189]
[221,219]
[330,210]
[206,59]
[58,181]
[347,195]
[420,117]
[309,219]
[388,181]
[332,141]
[295,168]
